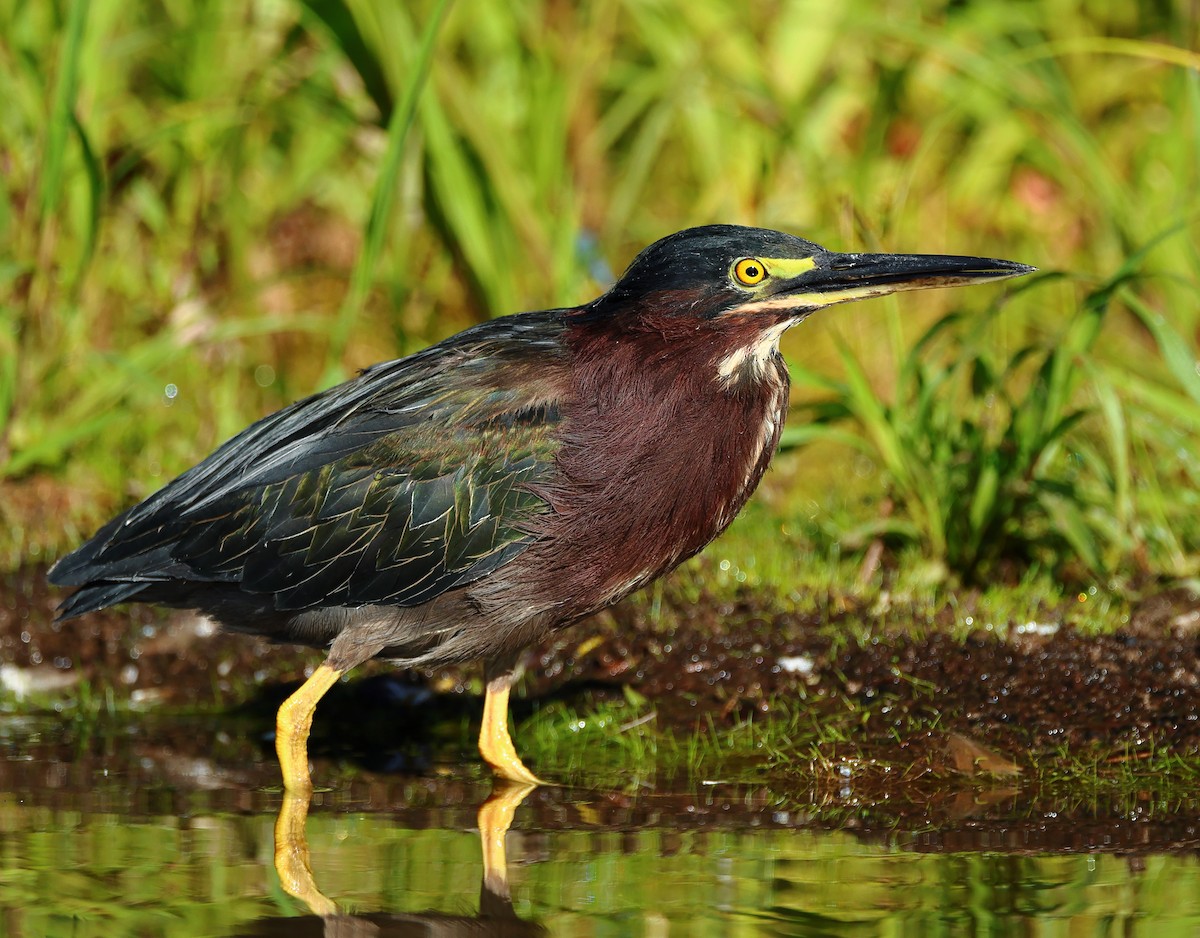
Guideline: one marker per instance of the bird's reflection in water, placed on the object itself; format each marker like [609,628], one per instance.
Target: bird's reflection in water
[496,916]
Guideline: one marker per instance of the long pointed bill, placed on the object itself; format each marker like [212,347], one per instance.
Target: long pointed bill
[839,278]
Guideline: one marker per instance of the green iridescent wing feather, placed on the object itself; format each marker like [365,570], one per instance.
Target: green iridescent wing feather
[413,479]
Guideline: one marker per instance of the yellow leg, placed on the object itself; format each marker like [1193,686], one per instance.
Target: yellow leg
[292,724]
[291,855]
[495,818]
[495,745]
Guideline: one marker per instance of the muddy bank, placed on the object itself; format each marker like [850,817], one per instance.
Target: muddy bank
[1038,685]
[893,714]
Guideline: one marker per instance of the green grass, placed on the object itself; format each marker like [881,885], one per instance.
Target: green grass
[210,210]
[623,746]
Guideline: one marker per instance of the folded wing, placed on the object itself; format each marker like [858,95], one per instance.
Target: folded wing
[417,477]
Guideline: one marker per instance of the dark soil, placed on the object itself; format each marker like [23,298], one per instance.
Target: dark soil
[933,731]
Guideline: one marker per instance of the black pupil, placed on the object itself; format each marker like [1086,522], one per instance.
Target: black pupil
[751,272]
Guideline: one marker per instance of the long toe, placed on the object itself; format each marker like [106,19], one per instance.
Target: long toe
[495,745]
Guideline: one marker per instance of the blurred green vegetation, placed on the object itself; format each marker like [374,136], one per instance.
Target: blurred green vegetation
[208,210]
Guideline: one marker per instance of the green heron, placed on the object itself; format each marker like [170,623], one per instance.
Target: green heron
[466,501]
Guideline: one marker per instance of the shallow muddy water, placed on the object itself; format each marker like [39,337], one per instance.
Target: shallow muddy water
[123,830]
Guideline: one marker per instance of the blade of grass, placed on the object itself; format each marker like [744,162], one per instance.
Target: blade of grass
[1159,398]
[340,22]
[1117,438]
[62,109]
[385,191]
[1178,356]
[95,180]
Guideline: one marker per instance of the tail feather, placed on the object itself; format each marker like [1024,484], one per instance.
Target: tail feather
[95,596]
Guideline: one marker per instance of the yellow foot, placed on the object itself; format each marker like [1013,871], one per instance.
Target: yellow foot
[495,817]
[292,724]
[495,745]
[291,855]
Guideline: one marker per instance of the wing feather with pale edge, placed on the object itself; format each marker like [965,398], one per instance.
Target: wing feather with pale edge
[412,479]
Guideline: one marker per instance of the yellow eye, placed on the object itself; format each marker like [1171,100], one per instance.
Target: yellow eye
[749,271]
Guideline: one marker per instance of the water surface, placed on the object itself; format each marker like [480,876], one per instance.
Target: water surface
[123,830]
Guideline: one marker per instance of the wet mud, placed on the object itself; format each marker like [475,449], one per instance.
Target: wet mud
[934,746]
